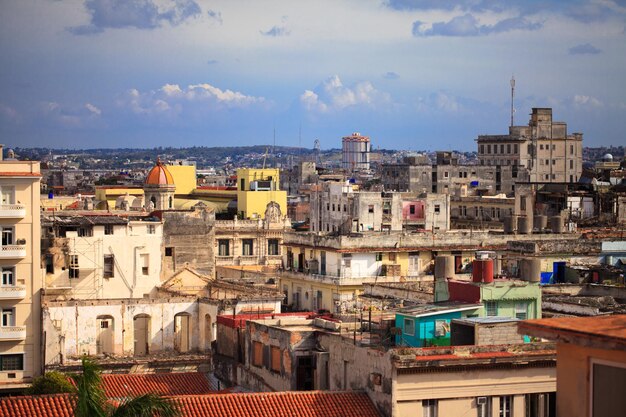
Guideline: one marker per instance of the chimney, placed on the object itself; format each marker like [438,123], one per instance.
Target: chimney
[1,152]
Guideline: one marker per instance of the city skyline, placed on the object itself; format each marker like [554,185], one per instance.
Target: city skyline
[409,74]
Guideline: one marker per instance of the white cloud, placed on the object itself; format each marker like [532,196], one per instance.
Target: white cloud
[440,101]
[173,100]
[93,109]
[586,101]
[332,95]
[8,113]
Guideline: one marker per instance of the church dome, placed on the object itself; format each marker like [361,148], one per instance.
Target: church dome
[159,175]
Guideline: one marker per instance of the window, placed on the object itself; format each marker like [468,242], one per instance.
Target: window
[169,251]
[501,148]
[488,148]
[521,311]
[541,404]
[13,362]
[553,147]
[482,148]
[571,149]
[8,276]
[272,247]
[491,308]
[541,147]
[223,247]
[333,206]
[429,408]
[554,162]
[108,229]
[442,327]
[445,174]
[145,263]
[483,406]
[370,208]
[515,148]
[7,235]
[74,266]
[8,317]
[257,354]
[571,164]
[508,148]
[547,162]
[49,264]
[151,229]
[379,256]
[409,327]
[437,209]
[345,208]
[243,184]
[85,232]
[247,248]
[7,194]
[506,406]
[392,256]
[327,206]
[275,359]
[109,266]
[412,209]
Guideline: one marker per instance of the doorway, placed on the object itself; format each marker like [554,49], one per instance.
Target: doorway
[141,326]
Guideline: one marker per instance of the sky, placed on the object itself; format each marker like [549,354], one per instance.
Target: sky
[411,74]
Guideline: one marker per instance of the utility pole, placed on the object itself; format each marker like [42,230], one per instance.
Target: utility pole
[512,100]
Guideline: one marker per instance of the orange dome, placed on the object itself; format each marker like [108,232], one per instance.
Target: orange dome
[159,175]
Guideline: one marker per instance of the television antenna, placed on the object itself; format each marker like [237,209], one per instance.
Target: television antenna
[512,99]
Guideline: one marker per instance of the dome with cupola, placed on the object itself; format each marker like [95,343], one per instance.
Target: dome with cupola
[159,175]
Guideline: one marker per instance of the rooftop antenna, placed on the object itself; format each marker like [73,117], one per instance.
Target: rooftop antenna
[512,99]
[274,147]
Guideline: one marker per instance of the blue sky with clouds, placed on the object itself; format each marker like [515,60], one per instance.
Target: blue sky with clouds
[411,74]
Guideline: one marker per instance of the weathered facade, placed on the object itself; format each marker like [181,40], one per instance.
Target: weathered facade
[543,147]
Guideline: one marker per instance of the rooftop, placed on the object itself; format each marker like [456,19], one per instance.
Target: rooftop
[169,384]
[604,332]
[422,310]
[274,404]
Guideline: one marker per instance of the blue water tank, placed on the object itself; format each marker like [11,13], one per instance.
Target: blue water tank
[50,195]
[474,184]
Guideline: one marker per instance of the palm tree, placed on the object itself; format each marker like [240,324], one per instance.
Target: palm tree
[92,402]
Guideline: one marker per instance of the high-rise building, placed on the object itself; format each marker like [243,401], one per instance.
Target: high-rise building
[544,147]
[20,287]
[355,152]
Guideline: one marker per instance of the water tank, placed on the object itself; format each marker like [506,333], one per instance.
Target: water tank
[530,270]
[482,270]
[510,224]
[524,225]
[541,222]
[444,267]
[556,224]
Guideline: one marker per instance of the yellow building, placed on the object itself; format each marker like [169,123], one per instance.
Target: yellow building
[20,285]
[591,363]
[256,189]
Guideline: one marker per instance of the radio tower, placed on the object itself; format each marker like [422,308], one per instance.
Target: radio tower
[512,98]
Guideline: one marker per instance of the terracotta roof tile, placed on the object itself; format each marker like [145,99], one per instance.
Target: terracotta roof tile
[58,405]
[170,384]
[274,404]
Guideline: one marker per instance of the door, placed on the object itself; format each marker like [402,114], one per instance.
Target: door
[208,332]
[141,325]
[414,265]
[181,332]
[104,339]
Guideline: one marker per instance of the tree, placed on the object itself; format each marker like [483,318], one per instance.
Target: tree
[51,383]
[92,402]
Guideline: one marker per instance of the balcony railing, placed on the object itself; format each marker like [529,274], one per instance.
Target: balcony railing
[12,292]
[12,251]
[12,333]
[13,211]
[345,280]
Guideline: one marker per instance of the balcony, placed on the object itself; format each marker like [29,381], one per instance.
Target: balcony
[12,251]
[8,333]
[12,211]
[12,292]
[340,280]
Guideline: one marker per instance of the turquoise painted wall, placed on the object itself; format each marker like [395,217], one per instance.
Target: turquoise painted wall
[425,334]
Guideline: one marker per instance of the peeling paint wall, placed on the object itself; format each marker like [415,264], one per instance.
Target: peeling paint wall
[71,328]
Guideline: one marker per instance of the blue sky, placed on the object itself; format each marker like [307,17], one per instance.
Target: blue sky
[410,74]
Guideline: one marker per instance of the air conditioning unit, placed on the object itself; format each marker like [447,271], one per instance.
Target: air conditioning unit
[20,241]
[481,400]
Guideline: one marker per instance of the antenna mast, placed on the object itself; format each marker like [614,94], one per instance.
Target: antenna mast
[512,99]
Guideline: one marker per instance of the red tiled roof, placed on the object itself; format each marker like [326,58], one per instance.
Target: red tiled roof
[170,384]
[57,405]
[280,404]
[273,404]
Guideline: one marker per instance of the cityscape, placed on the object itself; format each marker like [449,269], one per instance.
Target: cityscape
[191,227]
